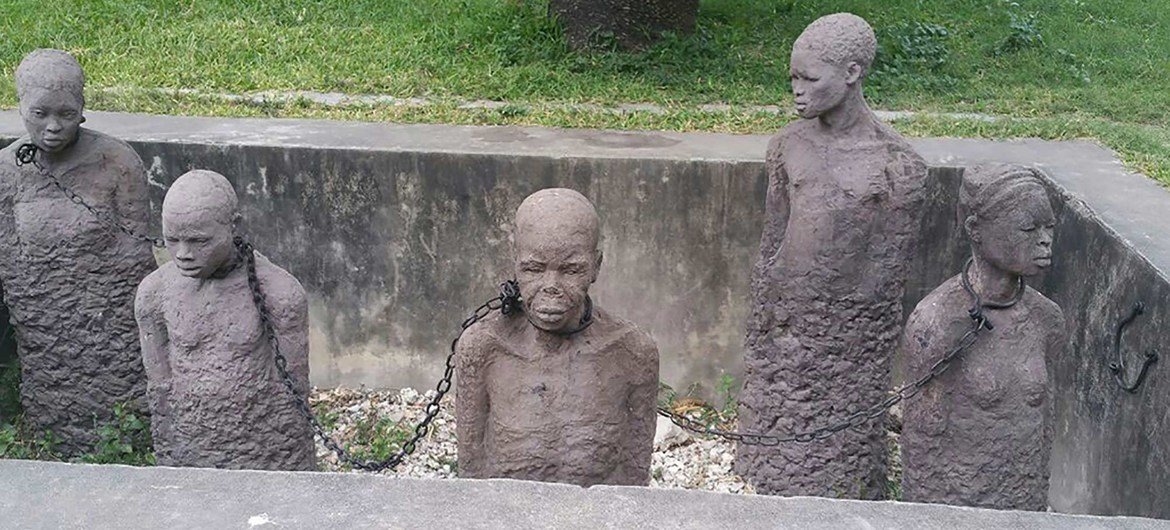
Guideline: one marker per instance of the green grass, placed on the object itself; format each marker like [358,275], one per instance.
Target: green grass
[1073,68]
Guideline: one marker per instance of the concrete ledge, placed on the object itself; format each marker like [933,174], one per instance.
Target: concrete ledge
[37,495]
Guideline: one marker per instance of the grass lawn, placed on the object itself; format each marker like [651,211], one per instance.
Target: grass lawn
[1060,68]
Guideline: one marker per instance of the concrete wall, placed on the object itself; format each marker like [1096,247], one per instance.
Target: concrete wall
[398,231]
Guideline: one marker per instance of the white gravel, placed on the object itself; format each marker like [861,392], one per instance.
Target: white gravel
[679,460]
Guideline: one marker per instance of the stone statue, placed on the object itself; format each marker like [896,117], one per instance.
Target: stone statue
[843,214]
[979,434]
[214,390]
[562,391]
[68,279]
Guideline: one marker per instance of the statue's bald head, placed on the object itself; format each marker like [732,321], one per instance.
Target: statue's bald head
[202,192]
[199,218]
[839,39]
[558,214]
[556,239]
[50,70]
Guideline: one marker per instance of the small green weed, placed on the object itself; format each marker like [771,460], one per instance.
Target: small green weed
[727,389]
[1024,31]
[378,438]
[16,442]
[125,440]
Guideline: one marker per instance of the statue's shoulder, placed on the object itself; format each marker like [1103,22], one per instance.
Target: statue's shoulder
[901,152]
[109,147]
[9,151]
[786,136]
[8,155]
[484,336]
[152,289]
[623,336]
[280,287]
[1049,311]
[944,301]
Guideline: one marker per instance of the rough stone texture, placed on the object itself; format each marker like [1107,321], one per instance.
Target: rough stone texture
[844,209]
[632,24]
[37,495]
[540,398]
[214,390]
[981,433]
[683,213]
[68,280]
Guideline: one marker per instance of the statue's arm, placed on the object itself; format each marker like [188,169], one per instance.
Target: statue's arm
[8,238]
[1057,345]
[472,405]
[776,209]
[289,310]
[643,398]
[154,340]
[920,346]
[132,195]
[908,174]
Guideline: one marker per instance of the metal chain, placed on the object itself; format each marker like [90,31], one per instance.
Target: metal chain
[859,418]
[27,154]
[507,302]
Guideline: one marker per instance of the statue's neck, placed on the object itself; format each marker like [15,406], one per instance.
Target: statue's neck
[847,118]
[993,284]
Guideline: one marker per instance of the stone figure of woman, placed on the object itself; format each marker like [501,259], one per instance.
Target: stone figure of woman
[67,277]
[980,433]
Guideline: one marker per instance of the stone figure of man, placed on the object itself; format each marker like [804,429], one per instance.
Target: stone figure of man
[68,280]
[980,434]
[562,391]
[215,393]
[842,216]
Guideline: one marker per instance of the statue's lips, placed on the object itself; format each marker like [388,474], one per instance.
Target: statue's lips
[1042,261]
[548,313]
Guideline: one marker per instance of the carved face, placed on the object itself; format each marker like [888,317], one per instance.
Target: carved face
[1017,238]
[200,243]
[819,87]
[555,266]
[52,117]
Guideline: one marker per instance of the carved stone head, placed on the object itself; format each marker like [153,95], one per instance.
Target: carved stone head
[829,62]
[50,85]
[557,258]
[199,217]
[1007,215]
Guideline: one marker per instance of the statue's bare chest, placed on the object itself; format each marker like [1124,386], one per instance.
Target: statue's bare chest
[837,175]
[45,217]
[553,390]
[215,320]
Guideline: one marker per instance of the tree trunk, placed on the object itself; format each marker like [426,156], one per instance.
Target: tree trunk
[632,24]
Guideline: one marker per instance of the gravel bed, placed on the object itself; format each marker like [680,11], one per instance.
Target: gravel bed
[679,460]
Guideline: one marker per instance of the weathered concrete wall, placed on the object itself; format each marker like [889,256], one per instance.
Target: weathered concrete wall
[36,495]
[398,231]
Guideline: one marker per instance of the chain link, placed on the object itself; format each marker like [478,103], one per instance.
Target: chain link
[980,322]
[27,154]
[506,302]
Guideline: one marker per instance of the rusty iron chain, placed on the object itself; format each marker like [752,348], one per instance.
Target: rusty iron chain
[506,302]
[980,322]
[27,154]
